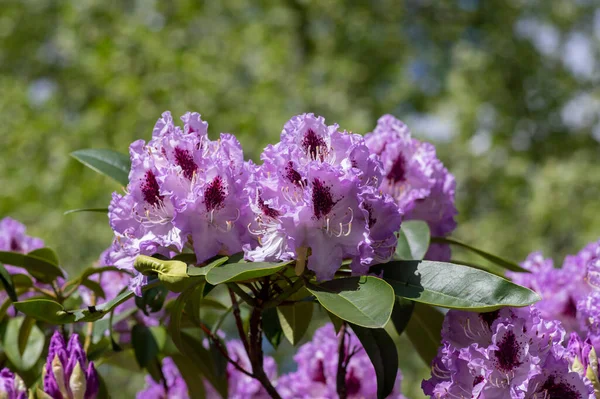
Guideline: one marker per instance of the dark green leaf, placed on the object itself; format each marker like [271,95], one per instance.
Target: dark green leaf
[424,331]
[454,286]
[152,300]
[382,351]
[22,281]
[144,344]
[271,327]
[364,301]
[7,283]
[191,374]
[219,361]
[294,320]
[45,310]
[33,348]
[512,266]
[98,210]
[233,272]
[107,162]
[336,321]
[40,263]
[24,332]
[403,309]
[202,271]
[413,240]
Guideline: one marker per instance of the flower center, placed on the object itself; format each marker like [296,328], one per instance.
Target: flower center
[184,159]
[214,194]
[352,383]
[267,210]
[150,189]
[292,174]
[319,373]
[508,353]
[313,144]
[398,171]
[489,317]
[478,380]
[14,245]
[558,390]
[322,199]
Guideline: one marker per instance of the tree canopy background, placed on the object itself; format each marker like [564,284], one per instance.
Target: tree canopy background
[507,90]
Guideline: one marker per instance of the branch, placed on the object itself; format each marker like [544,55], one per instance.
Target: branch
[341,367]
[238,320]
[223,350]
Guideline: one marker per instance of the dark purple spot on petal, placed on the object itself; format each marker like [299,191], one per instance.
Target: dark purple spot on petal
[558,390]
[352,384]
[292,175]
[478,380]
[398,171]
[571,308]
[489,317]
[313,144]
[508,353]
[319,374]
[150,189]
[185,160]
[322,199]
[215,194]
[14,245]
[267,210]
[372,219]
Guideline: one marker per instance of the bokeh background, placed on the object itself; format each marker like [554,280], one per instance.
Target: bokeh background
[506,89]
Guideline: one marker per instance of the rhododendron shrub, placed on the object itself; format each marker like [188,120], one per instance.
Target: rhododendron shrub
[354,227]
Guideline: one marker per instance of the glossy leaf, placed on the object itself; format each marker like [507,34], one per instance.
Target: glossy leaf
[144,344]
[294,320]
[41,263]
[172,273]
[454,286]
[512,266]
[424,331]
[33,347]
[94,210]
[202,271]
[382,351]
[413,240]
[272,327]
[7,283]
[403,309]
[45,310]
[233,272]
[336,321]
[107,162]
[364,301]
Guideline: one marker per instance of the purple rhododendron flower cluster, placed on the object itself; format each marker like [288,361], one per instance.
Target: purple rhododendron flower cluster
[317,363]
[14,239]
[318,189]
[240,386]
[315,376]
[67,374]
[416,179]
[510,353]
[11,385]
[184,191]
[566,292]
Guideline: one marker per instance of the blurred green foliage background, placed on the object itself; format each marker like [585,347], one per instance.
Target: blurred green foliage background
[506,89]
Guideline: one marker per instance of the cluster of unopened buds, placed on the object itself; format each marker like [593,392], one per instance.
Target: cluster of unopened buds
[320,196]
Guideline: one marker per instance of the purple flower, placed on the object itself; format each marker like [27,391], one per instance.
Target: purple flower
[175,384]
[317,370]
[11,385]
[555,381]
[185,191]
[502,354]
[416,179]
[67,374]
[317,190]
[14,239]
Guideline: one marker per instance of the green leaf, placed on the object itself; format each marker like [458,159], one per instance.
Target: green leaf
[152,300]
[424,331]
[97,210]
[234,272]
[144,344]
[382,351]
[193,348]
[7,283]
[45,310]
[413,240]
[177,315]
[364,301]
[22,281]
[24,333]
[33,348]
[193,271]
[272,327]
[41,264]
[172,273]
[294,320]
[336,321]
[107,162]
[454,286]
[190,373]
[512,266]
[403,309]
